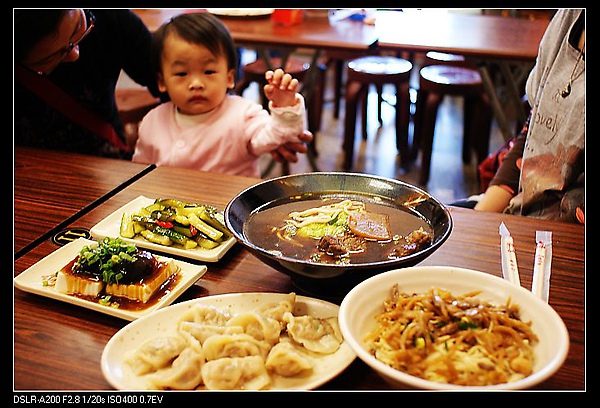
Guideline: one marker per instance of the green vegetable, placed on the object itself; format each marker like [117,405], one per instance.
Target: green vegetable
[156,238]
[319,230]
[126,229]
[465,324]
[169,221]
[106,255]
[335,226]
[215,219]
[176,237]
[204,228]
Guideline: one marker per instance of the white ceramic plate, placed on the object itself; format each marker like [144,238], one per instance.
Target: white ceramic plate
[109,227]
[365,301]
[164,322]
[243,12]
[30,280]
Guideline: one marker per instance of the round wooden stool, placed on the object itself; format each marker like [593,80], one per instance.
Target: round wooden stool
[376,70]
[436,81]
[337,60]
[443,58]
[297,68]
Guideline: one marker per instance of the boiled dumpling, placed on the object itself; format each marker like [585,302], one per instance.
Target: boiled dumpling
[206,314]
[234,345]
[202,331]
[155,354]
[184,374]
[321,335]
[236,373]
[286,360]
[258,326]
[275,310]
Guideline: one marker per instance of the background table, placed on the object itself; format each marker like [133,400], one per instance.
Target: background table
[57,346]
[312,32]
[509,43]
[51,187]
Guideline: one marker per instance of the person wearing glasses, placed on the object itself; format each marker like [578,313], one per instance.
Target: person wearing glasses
[81,53]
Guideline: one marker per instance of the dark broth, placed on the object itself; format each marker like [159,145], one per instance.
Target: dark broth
[260,229]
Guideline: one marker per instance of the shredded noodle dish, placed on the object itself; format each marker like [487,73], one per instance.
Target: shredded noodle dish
[458,340]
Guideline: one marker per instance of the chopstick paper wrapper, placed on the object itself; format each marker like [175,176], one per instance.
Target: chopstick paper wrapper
[510,271]
[542,265]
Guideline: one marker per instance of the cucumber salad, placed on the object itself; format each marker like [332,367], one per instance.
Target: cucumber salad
[172,222]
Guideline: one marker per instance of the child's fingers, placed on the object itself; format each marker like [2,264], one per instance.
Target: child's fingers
[288,83]
[280,79]
[274,77]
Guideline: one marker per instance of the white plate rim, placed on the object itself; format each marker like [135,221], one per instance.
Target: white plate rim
[251,12]
[30,280]
[109,227]
[112,360]
[495,285]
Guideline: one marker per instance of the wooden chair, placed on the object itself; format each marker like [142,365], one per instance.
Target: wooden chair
[376,70]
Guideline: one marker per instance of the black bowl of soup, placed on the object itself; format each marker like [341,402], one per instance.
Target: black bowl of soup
[332,230]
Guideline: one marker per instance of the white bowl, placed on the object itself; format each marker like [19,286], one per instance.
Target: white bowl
[360,306]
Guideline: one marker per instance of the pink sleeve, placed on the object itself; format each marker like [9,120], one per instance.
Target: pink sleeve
[285,125]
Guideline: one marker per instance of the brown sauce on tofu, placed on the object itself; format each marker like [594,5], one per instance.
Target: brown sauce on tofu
[121,302]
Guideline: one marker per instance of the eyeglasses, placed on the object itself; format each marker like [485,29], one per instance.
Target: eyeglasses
[57,57]
[90,21]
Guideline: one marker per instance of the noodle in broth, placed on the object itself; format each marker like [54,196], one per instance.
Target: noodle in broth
[313,230]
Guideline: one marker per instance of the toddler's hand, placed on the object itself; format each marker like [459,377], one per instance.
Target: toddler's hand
[281,88]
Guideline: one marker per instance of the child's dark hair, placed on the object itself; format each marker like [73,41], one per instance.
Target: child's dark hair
[197,28]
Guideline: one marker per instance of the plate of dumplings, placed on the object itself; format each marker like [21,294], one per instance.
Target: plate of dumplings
[237,341]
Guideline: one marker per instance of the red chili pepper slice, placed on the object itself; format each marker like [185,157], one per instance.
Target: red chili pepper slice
[164,224]
[193,230]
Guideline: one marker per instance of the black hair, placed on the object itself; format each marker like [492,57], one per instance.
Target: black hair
[33,25]
[197,28]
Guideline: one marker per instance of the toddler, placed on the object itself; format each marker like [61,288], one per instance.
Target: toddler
[204,127]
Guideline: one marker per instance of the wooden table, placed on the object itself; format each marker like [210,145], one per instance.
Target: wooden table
[312,32]
[57,346]
[50,188]
[510,43]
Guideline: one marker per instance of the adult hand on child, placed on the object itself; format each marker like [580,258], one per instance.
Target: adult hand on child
[281,88]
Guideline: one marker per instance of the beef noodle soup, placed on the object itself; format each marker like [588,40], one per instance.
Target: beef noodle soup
[339,230]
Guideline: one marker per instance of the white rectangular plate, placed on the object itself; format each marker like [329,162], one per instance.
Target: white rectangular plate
[30,280]
[110,226]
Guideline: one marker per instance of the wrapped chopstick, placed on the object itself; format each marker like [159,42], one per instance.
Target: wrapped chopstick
[510,270]
[542,265]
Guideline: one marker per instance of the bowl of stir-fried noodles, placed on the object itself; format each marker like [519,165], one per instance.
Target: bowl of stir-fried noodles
[445,328]
[331,230]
